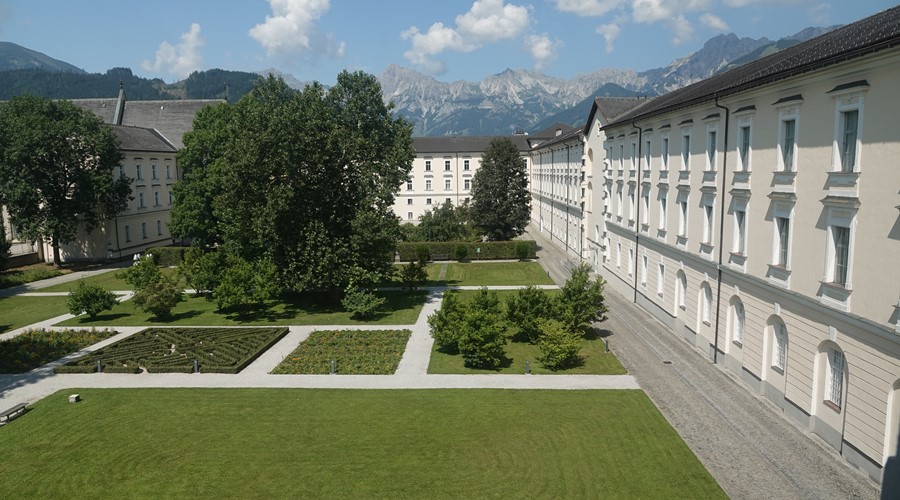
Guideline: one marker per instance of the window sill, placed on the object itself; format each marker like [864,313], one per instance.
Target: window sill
[738,343]
[778,369]
[831,404]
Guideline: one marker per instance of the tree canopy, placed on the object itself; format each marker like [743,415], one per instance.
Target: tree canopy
[56,169]
[501,203]
[304,178]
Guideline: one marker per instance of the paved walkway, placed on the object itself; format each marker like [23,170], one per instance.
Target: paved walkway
[65,278]
[744,441]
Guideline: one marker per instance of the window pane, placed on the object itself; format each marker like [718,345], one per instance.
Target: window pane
[787,146]
[848,147]
[841,253]
[745,146]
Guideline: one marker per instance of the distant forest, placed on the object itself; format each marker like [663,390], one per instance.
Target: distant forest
[65,85]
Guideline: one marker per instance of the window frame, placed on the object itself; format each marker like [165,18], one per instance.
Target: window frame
[849,100]
[835,366]
[686,149]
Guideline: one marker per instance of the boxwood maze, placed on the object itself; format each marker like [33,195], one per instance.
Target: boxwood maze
[173,350]
[355,352]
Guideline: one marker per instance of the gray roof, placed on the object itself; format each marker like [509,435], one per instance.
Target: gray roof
[611,107]
[550,132]
[565,136]
[104,108]
[141,139]
[464,144]
[872,34]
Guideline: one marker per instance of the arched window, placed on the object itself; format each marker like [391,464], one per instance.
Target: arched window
[779,345]
[682,289]
[737,321]
[834,376]
[705,303]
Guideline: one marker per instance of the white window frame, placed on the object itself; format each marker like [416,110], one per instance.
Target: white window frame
[618,254]
[428,165]
[744,123]
[465,165]
[834,377]
[631,203]
[664,152]
[428,201]
[447,164]
[619,201]
[409,184]
[427,184]
[409,216]
[712,145]
[686,149]
[127,233]
[647,156]
[683,213]
[158,227]
[849,100]
[739,242]
[844,218]
[781,243]
[141,200]
[156,198]
[682,291]
[709,220]
[788,112]
[144,230]
[738,322]
[467,184]
[663,198]
[645,206]
[706,303]
[409,201]
[448,185]
[779,345]
[630,262]
[644,265]
[633,164]
[661,279]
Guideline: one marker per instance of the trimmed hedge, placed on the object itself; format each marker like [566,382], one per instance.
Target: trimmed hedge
[490,250]
[167,256]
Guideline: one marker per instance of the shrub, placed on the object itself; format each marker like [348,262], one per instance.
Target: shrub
[201,270]
[523,250]
[482,339]
[447,323]
[581,301]
[460,252]
[362,303]
[423,252]
[245,285]
[477,250]
[527,308]
[413,274]
[142,273]
[168,256]
[91,299]
[559,347]
[159,297]
[356,352]
[36,348]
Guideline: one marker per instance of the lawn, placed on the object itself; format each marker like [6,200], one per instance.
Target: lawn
[301,443]
[595,359]
[496,273]
[355,352]
[106,280]
[27,274]
[30,350]
[300,309]
[19,311]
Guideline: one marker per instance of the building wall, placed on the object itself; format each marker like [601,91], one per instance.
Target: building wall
[798,304]
[559,189]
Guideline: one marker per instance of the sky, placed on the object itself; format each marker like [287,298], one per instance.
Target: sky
[447,39]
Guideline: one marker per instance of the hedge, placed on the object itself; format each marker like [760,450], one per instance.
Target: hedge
[167,256]
[489,250]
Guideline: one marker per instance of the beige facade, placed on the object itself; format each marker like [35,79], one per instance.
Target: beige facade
[763,228]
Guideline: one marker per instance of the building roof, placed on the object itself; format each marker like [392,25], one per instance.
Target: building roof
[611,107]
[561,138]
[552,131]
[141,139]
[872,34]
[464,144]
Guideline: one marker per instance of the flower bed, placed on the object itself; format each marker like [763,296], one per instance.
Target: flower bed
[174,350]
[30,350]
[355,352]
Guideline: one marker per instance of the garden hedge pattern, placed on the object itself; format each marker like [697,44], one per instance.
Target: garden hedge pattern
[35,348]
[489,250]
[173,350]
[355,352]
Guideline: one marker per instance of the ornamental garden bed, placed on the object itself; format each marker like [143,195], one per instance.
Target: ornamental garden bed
[174,350]
[30,350]
[355,352]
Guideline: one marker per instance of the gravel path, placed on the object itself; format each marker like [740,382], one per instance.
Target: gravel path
[744,441]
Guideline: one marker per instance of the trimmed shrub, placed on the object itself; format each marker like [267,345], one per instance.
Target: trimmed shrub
[36,348]
[461,252]
[5,245]
[362,304]
[356,352]
[168,256]
[483,250]
[91,299]
[559,347]
[423,252]
[523,250]
[75,369]
[581,301]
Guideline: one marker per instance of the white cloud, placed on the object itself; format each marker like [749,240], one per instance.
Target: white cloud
[713,21]
[820,14]
[543,50]
[486,22]
[671,13]
[588,8]
[292,30]
[681,29]
[610,33]
[179,60]
[745,3]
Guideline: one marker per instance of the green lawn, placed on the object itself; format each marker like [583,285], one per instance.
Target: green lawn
[302,309]
[355,352]
[28,274]
[19,311]
[106,280]
[30,350]
[496,273]
[296,443]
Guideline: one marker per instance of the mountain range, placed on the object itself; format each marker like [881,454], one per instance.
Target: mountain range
[510,101]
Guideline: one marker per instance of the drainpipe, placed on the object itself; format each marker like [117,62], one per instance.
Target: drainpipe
[721,231]
[565,176]
[637,212]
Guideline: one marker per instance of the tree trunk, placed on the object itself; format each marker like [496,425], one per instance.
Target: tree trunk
[55,242]
[334,293]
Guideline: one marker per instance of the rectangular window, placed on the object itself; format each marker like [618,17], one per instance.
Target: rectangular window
[708,227]
[467,184]
[841,237]
[644,270]
[466,165]
[170,197]
[663,201]
[428,165]
[466,199]
[447,200]
[621,156]
[783,228]
[779,348]
[446,165]
[159,227]
[619,200]
[682,291]
[683,218]
[168,171]
[127,233]
[711,150]
[153,171]
[144,230]
[835,379]
[121,172]
[408,215]
[787,144]
[665,153]
[744,147]
[686,152]
[141,200]
[850,124]
[661,279]
[631,205]
[428,185]
[740,234]
[428,201]
[409,201]
[156,198]
[633,155]
[446,184]
[138,174]
[647,155]
[645,206]
[630,262]
[409,184]
[618,255]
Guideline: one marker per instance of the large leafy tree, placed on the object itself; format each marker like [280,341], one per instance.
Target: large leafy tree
[500,199]
[56,169]
[306,179]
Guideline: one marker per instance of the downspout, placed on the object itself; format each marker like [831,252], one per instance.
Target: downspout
[566,177]
[637,212]
[721,231]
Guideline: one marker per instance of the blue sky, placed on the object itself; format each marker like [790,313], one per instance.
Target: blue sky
[448,39]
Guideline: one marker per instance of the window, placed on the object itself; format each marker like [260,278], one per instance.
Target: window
[446,184]
[156,198]
[168,171]
[137,171]
[788,131]
[466,165]
[428,201]
[744,147]
[127,233]
[467,184]
[618,255]
[631,205]
[708,226]
[663,201]
[644,270]
[683,218]
[170,197]
[427,184]
[153,171]
[740,233]
[409,201]
[619,200]
[682,290]
[706,303]
[711,150]
[647,155]
[630,262]
[447,200]
[446,165]
[621,156]
[661,279]
[782,234]
[665,153]
[158,227]
[409,185]
[834,379]
[408,215]
[428,165]
[779,346]
[633,155]
[737,322]
[144,230]
[121,172]
[841,247]
[686,152]
[466,199]
[645,206]
[849,133]
[141,200]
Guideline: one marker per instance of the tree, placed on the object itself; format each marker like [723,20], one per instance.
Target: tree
[91,299]
[559,346]
[142,273]
[56,170]
[483,332]
[362,303]
[447,323]
[306,179]
[201,270]
[581,301]
[159,297]
[413,273]
[527,308]
[501,203]
[446,223]
[5,245]
[245,285]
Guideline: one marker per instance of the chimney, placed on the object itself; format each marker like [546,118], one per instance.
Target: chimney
[120,105]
